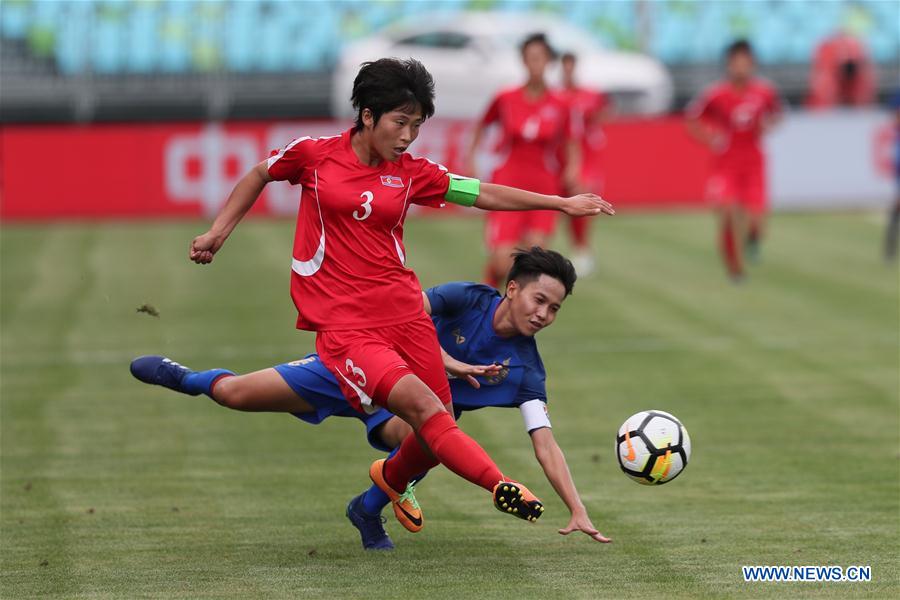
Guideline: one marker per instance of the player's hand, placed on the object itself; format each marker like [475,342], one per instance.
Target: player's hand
[582,523]
[203,247]
[462,370]
[585,205]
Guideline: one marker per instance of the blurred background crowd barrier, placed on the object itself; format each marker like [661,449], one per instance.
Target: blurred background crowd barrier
[188,169]
[148,101]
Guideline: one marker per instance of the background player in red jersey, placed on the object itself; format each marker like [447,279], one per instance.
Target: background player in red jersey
[590,110]
[535,132]
[730,117]
[350,283]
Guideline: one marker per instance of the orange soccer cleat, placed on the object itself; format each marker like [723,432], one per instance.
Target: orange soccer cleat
[406,507]
[514,498]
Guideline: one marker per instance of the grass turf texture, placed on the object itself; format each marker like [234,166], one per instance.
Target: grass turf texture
[788,386]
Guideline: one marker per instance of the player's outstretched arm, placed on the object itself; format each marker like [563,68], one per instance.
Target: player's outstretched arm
[492,196]
[477,135]
[241,199]
[556,469]
[703,134]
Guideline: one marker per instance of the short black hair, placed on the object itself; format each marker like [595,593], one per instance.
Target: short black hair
[568,56]
[538,38]
[529,265]
[390,84]
[739,47]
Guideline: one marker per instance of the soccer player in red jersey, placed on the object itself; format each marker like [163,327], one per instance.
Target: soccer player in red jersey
[349,280]
[730,117]
[535,131]
[590,110]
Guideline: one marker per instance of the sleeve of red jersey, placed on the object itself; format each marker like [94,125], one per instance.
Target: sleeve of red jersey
[492,114]
[430,183]
[288,163]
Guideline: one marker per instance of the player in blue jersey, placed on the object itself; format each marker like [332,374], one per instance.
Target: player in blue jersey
[489,352]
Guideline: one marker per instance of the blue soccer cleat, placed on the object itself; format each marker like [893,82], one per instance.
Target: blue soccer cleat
[159,370]
[371,529]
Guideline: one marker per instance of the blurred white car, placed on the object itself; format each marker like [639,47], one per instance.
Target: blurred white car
[473,55]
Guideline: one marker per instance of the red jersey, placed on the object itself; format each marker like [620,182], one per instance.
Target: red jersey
[534,132]
[586,106]
[738,114]
[348,269]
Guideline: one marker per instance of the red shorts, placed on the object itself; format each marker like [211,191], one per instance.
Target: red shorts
[368,363]
[511,228]
[745,187]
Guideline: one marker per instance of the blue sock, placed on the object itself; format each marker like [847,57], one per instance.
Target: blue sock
[199,382]
[374,500]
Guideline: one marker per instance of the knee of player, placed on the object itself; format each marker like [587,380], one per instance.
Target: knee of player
[423,408]
[231,394]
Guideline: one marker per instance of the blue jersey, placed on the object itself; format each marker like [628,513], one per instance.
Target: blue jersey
[463,314]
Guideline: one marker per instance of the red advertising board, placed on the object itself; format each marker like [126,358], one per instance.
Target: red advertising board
[187,170]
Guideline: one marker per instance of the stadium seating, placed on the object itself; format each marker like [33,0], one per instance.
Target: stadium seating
[110,37]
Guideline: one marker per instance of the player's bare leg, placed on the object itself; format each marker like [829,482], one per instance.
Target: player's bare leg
[499,263]
[756,226]
[393,432]
[534,238]
[579,231]
[729,234]
[260,391]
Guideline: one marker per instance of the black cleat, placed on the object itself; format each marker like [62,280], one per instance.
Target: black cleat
[514,498]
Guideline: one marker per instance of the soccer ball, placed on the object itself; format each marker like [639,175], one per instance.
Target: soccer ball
[653,447]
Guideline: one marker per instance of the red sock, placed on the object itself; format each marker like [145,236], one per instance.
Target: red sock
[728,247]
[453,448]
[410,460]
[578,226]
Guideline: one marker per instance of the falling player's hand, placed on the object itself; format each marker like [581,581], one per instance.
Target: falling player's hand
[462,370]
[581,522]
[584,205]
[204,246]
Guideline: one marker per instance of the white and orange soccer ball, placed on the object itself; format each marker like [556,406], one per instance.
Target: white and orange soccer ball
[653,447]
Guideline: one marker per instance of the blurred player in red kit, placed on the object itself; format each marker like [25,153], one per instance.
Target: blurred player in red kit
[536,131]
[590,110]
[730,117]
[350,283]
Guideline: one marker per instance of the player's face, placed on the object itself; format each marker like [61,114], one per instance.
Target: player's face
[394,132]
[536,58]
[741,66]
[534,305]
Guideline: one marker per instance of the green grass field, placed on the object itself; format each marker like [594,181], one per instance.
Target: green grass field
[788,386]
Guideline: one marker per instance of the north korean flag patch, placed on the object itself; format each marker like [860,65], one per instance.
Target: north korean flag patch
[391,181]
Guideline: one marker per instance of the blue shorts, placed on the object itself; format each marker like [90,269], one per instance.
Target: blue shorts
[313,382]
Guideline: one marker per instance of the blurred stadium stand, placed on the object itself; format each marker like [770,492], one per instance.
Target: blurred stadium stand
[157,59]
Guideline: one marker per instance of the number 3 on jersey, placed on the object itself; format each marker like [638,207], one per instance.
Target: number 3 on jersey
[366,206]
[354,371]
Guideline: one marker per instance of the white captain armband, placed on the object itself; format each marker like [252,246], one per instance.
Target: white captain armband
[535,414]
